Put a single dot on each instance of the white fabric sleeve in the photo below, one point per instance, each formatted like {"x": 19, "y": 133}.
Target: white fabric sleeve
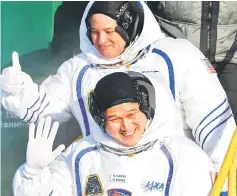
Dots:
{"x": 206, "y": 106}
{"x": 52, "y": 98}
{"x": 54, "y": 180}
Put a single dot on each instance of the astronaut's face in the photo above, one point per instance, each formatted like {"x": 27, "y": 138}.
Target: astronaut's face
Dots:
{"x": 104, "y": 37}
{"x": 125, "y": 123}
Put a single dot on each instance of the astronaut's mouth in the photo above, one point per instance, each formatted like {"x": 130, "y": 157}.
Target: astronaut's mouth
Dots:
{"x": 130, "y": 133}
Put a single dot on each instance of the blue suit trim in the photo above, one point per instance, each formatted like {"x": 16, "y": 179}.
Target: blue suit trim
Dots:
{"x": 51, "y": 193}
{"x": 171, "y": 170}
{"x": 32, "y": 104}
{"x": 80, "y": 99}
{"x": 170, "y": 69}
{"x": 77, "y": 167}
{"x": 36, "y": 109}
{"x": 227, "y": 109}
{"x": 203, "y": 143}
{"x": 209, "y": 115}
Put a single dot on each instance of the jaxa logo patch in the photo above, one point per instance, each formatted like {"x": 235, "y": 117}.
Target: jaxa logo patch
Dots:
{"x": 153, "y": 185}
{"x": 118, "y": 192}
{"x": 93, "y": 186}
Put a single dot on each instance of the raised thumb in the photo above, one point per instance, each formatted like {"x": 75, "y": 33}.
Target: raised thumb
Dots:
{"x": 15, "y": 61}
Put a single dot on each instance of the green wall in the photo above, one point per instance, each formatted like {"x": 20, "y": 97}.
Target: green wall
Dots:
{"x": 26, "y": 26}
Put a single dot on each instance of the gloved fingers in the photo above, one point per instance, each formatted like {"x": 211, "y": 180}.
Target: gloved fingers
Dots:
{"x": 47, "y": 126}
{"x": 15, "y": 61}
{"x": 7, "y": 72}
{"x": 57, "y": 151}
{"x": 12, "y": 77}
{"x": 31, "y": 131}
{"x": 54, "y": 130}
{"x": 2, "y": 81}
{"x": 40, "y": 128}
{"x": 12, "y": 89}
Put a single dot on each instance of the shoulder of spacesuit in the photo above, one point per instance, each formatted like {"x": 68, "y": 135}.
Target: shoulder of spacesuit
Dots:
{"x": 178, "y": 48}
{"x": 77, "y": 150}
{"x": 186, "y": 151}
{"x": 79, "y": 145}
{"x": 73, "y": 65}
{"x": 77, "y": 63}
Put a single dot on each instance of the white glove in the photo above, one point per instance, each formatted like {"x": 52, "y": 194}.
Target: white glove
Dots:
{"x": 18, "y": 91}
{"x": 39, "y": 149}
{"x": 12, "y": 78}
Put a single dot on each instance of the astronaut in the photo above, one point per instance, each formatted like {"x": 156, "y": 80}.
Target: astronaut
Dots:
{"x": 119, "y": 37}
{"x": 136, "y": 148}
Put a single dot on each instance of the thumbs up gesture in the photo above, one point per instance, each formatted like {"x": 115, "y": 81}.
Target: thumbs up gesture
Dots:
{"x": 15, "y": 61}
{"x": 12, "y": 78}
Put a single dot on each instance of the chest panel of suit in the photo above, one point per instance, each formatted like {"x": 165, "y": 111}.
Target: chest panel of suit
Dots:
{"x": 145, "y": 173}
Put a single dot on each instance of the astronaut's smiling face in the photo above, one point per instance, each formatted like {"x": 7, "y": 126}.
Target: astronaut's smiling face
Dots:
{"x": 125, "y": 123}
{"x": 104, "y": 37}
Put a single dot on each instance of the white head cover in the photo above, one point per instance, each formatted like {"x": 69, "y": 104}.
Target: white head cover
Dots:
{"x": 167, "y": 119}
{"x": 146, "y": 38}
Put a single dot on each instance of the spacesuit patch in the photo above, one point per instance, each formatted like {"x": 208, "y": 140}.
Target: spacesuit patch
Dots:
{"x": 93, "y": 186}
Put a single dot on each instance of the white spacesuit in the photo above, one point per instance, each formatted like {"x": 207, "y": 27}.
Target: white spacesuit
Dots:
{"x": 189, "y": 76}
{"x": 162, "y": 163}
